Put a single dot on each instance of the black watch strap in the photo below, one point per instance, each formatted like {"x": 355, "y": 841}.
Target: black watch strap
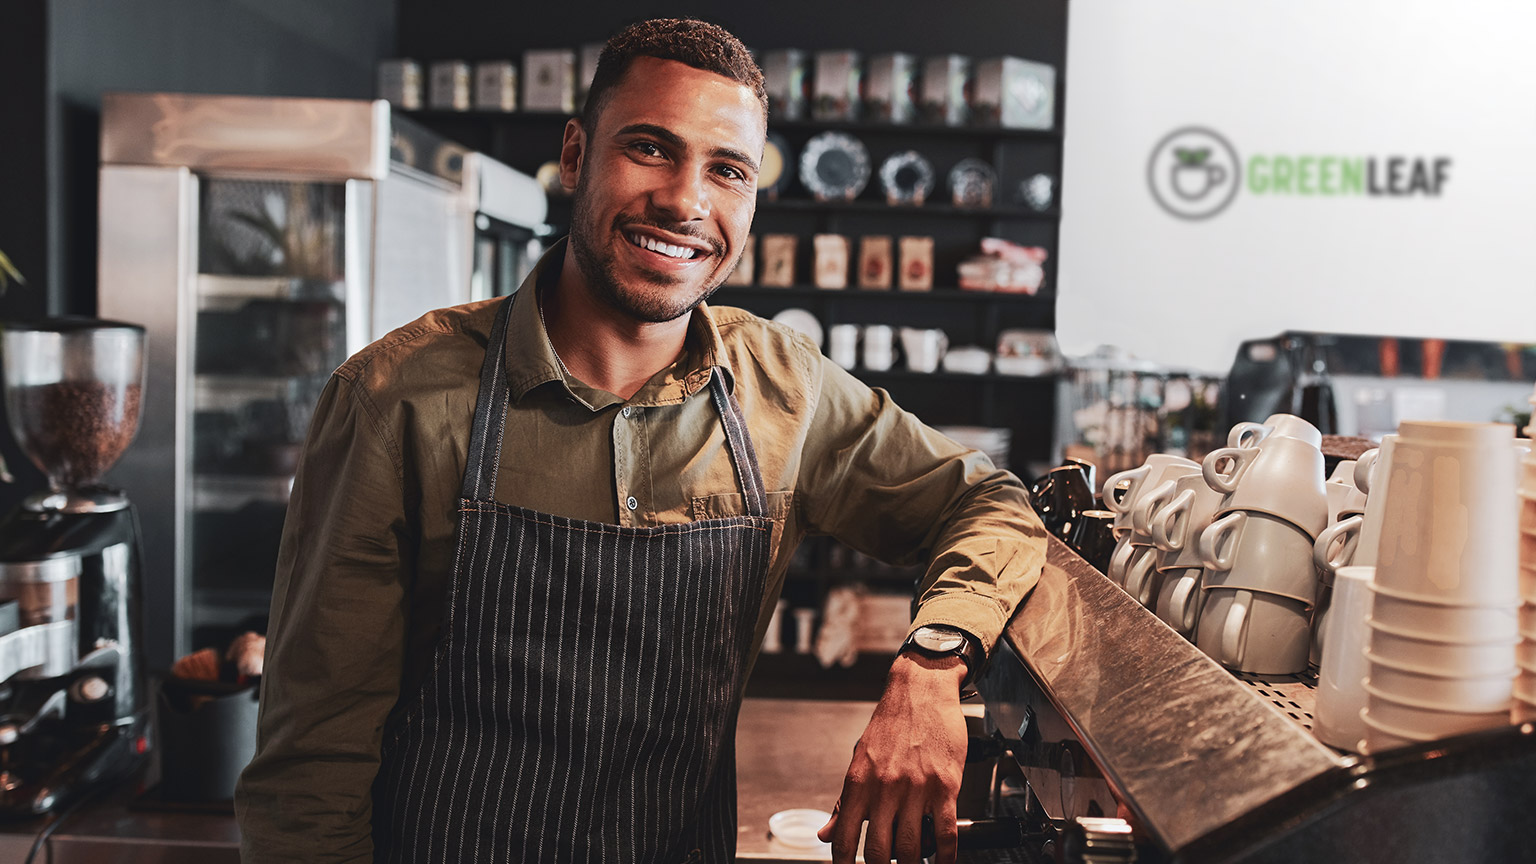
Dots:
{"x": 935, "y": 643}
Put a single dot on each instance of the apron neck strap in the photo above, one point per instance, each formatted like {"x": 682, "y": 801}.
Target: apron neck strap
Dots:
{"x": 484, "y": 457}
{"x": 490, "y": 407}
{"x": 748, "y": 474}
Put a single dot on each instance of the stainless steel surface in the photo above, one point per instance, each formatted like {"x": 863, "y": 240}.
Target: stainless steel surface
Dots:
{"x": 1164, "y": 724}
{"x": 146, "y": 258}
{"x": 332, "y": 138}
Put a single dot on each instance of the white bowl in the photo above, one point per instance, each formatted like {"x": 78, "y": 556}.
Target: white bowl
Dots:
{"x": 798, "y": 827}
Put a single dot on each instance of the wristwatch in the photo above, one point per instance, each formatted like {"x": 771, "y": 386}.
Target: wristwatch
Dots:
{"x": 941, "y": 640}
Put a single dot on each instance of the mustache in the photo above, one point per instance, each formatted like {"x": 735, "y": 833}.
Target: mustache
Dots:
{"x": 680, "y": 228}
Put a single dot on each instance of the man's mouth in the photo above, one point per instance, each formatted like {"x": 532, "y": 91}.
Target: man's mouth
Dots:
{"x": 681, "y": 253}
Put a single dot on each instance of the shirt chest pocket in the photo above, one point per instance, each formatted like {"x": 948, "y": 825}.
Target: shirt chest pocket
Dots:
{"x": 728, "y": 504}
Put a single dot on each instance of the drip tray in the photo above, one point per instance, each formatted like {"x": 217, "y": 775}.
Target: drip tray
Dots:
{"x": 1294, "y": 695}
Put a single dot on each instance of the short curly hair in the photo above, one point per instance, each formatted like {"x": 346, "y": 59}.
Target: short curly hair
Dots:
{"x": 690, "y": 41}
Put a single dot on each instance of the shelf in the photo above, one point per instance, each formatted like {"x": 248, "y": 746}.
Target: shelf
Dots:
{"x": 937, "y": 295}
{"x": 873, "y": 376}
{"x": 213, "y": 493}
{"x": 850, "y": 126}
{"x": 859, "y": 205}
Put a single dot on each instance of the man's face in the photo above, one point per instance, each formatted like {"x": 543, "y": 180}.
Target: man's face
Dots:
{"x": 665, "y": 187}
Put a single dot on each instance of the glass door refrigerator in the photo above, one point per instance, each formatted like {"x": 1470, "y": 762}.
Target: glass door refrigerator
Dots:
{"x": 262, "y": 241}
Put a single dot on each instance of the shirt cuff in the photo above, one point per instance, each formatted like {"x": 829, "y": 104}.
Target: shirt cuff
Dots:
{"x": 973, "y": 613}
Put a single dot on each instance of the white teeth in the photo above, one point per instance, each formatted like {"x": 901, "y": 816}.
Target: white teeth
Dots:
{"x": 666, "y": 249}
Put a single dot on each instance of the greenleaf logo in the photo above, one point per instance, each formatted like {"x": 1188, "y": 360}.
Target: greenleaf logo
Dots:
{"x": 1193, "y": 173}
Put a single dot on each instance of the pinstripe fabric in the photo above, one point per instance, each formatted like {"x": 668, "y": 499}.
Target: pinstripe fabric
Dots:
{"x": 582, "y": 705}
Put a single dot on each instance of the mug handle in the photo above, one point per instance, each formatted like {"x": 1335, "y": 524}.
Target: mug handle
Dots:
{"x": 1168, "y": 532}
{"x": 1365, "y": 466}
{"x": 1347, "y": 532}
{"x": 1180, "y": 607}
{"x": 1137, "y": 581}
{"x": 1226, "y": 482}
{"x": 1234, "y": 632}
{"x": 1135, "y": 476}
{"x": 1216, "y": 553}
{"x": 1248, "y": 434}
{"x": 1118, "y": 561}
{"x": 1149, "y": 505}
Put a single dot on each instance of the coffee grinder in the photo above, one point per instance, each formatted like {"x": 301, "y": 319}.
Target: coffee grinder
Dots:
{"x": 72, "y": 704}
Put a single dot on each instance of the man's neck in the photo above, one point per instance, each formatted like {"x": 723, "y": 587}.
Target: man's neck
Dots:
{"x": 600, "y": 345}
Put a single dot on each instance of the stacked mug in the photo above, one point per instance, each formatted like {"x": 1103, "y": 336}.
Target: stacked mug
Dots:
{"x": 1134, "y": 560}
{"x": 1444, "y": 623}
{"x": 1259, "y": 581}
{"x": 1335, "y": 548}
{"x": 1524, "y": 706}
{"x": 1175, "y": 528}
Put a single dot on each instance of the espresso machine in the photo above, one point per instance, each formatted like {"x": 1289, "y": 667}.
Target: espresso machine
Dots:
{"x": 73, "y": 712}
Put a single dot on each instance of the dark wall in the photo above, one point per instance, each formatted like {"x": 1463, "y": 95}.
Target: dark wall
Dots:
{"x": 483, "y": 30}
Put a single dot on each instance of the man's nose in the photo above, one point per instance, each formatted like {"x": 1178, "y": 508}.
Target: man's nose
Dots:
{"x": 683, "y": 196}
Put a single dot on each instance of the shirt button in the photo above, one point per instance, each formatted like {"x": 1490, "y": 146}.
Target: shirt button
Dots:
{"x": 627, "y": 412}
{"x": 631, "y": 503}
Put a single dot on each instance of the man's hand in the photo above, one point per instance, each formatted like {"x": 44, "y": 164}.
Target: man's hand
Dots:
{"x": 906, "y": 765}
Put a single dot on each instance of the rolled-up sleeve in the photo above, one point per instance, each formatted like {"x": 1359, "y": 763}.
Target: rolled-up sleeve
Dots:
{"x": 335, "y": 643}
{"x": 881, "y": 481}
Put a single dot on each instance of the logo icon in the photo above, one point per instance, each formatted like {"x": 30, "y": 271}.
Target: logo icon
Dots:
{"x": 1193, "y": 173}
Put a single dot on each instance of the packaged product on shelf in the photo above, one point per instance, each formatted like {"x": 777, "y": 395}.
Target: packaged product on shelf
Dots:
{"x": 836, "y": 86}
{"x": 742, "y": 275}
{"x": 549, "y": 80}
{"x": 944, "y": 80}
{"x": 784, "y": 79}
{"x": 496, "y": 86}
{"x": 590, "y": 53}
{"x": 450, "y": 85}
{"x": 1004, "y": 266}
{"x": 888, "y": 88}
{"x": 875, "y": 256}
{"x": 916, "y": 264}
{"x": 831, "y": 261}
{"x": 400, "y": 83}
{"x": 778, "y": 255}
{"x": 1014, "y": 93}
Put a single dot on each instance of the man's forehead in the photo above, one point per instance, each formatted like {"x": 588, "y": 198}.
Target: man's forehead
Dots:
{"x": 649, "y": 80}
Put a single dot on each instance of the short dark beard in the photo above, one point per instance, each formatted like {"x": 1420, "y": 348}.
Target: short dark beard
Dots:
{"x": 602, "y": 278}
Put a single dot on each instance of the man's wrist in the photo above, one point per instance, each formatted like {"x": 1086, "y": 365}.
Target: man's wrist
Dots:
{"x": 947, "y": 672}
{"x": 946, "y": 641}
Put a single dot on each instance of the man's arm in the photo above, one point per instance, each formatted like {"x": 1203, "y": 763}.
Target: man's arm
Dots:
{"x": 882, "y": 482}
{"x": 334, "y": 645}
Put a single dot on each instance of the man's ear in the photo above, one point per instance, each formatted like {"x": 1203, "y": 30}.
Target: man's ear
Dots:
{"x": 573, "y": 151}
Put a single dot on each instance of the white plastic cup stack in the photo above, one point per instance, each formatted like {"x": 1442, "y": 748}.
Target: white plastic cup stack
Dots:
{"x": 1443, "y": 625}
{"x": 1342, "y": 667}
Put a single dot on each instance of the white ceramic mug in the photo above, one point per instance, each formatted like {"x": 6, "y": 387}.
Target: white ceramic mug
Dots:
{"x": 1142, "y": 578}
{"x": 1250, "y": 434}
{"x": 879, "y": 347}
{"x": 1282, "y": 477}
{"x": 1176, "y": 530}
{"x": 1178, "y": 599}
{"x": 1342, "y": 666}
{"x": 1346, "y": 535}
{"x": 1140, "y": 479}
{"x": 924, "y": 348}
{"x": 843, "y": 345}
{"x": 1258, "y": 552}
{"x": 1251, "y": 631}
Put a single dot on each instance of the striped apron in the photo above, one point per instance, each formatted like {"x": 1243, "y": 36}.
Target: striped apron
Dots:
{"x": 583, "y": 699}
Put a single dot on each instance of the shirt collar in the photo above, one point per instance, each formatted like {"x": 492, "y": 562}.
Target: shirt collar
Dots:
{"x": 531, "y": 359}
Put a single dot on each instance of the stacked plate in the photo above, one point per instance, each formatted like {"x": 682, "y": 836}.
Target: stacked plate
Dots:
{"x": 1443, "y": 629}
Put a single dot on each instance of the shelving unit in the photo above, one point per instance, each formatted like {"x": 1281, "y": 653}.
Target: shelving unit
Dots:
{"x": 1026, "y": 405}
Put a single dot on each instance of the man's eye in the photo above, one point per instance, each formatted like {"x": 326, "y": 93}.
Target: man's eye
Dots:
{"x": 646, "y": 148}
{"x": 732, "y": 173}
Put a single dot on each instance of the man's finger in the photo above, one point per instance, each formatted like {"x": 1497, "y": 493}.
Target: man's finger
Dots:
{"x": 908, "y": 831}
{"x": 945, "y": 836}
{"x": 877, "y": 839}
{"x": 847, "y": 821}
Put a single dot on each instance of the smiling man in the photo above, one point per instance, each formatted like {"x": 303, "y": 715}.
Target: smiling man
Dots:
{"x": 534, "y": 542}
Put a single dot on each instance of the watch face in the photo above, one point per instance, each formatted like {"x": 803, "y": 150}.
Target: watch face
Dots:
{"x": 933, "y": 639}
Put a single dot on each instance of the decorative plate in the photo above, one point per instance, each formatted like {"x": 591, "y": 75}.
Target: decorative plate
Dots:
{"x": 906, "y": 177}
{"x": 802, "y": 320}
{"x": 777, "y": 169}
{"x": 834, "y": 166}
{"x": 972, "y": 183}
{"x": 1038, "y": 191}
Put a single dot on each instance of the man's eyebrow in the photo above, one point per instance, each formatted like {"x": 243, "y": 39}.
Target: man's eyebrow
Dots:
{"x": 672, "y": 139}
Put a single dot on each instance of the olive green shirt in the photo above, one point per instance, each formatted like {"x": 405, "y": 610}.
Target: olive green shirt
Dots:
{"x": 368, "y": 546}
